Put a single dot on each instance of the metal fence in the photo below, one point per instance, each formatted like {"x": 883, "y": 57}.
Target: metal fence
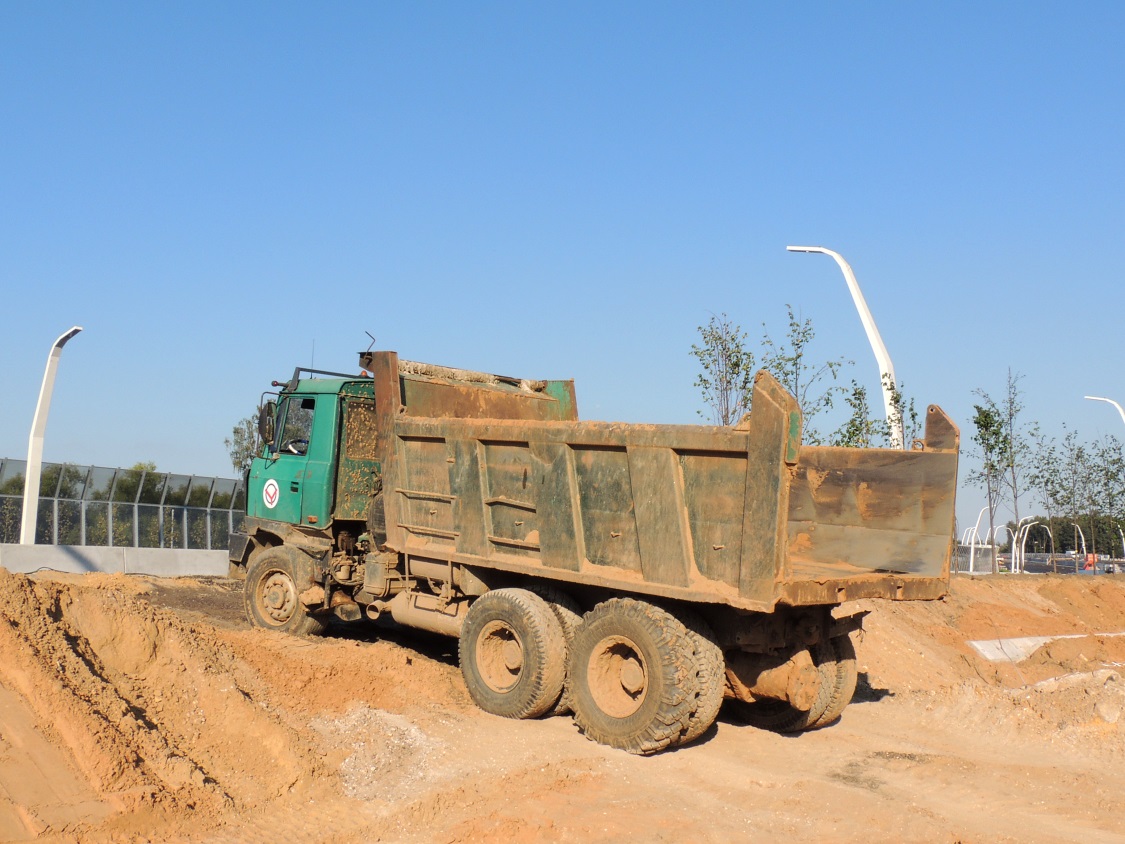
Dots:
{"x": 138, "y": 508}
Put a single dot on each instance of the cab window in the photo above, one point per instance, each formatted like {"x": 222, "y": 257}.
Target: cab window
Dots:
{"x": 295, "y": 419}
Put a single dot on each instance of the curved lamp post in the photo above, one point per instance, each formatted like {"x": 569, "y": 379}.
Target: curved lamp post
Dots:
{"x": 1023, "y": 544}
{"x": 1108, "y": 401}
{"x": 973, "y": 547}
{"x": 35, "y": 443}
{"x": 1083, "y": 537}
{"x": 886, "y": 368}
{"x": 1017, "y": 565}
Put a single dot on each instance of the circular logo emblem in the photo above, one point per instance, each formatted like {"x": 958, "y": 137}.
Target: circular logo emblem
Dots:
{"x": 270, "y": 493}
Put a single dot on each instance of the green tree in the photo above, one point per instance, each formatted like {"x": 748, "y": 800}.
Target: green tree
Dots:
{"x": 1106, "y": 474}
{"x": 242, "y": 444}
{"x": 790, "y": 364}
{"x": 727, "y": 379}
{"x": 1006, "y": 446}
{"x": 1045, "y": 479}
{"x": 861, "y": 430}
{"x": 904, "y": 413}
{"x": 992, "y": 441}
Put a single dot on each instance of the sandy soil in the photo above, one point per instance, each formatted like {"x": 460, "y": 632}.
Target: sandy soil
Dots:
{"x": 140, "y": 710}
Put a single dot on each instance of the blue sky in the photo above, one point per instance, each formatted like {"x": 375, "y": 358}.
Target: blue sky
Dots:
{"x": 218, "y": 192}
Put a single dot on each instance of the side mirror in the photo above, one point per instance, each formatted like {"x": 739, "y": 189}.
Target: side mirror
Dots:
{"x": 266, "y": 417}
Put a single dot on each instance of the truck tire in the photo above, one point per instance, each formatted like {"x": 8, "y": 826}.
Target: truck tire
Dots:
{"x": 846, "y": 677}
{"x": 778, "y": 715}
{"x": 275, "y": 578}
{"x": 632, "y": 676}
{"x": 710, "y": 671}
{"x": 569, "y": 615}
{"x": 513, "y": 654}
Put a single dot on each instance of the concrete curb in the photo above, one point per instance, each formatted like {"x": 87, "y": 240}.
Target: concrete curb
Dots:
{"x": 1019, "y": 648}
{"x": 78, "y": 559}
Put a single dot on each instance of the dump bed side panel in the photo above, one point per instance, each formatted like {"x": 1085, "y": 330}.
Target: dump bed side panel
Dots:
{"x": 657, "y": 509}
{"x": 693, "y": 512}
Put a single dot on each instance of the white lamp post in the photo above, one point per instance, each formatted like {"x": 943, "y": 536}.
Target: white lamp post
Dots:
{"x": 1023, "y": 543}
{"x": 1108, "y": 401}
{"x": 1017, "y": 564}
{"x": 1083, "y": 536}
{"x": 886, "y": 368}
{"x": 35, "y": 442}
{"x": 973, "y": 547}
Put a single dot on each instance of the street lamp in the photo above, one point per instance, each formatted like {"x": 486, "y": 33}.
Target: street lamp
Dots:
{"x": 1018, "y": 564}
{"x": 1023, "y": 544}
{"x": 35, "y": 442}
{"x": 973, "y": 547}
{"x": 886, "y": 368}
{"x": 1083, "y": 536}
{"x": 1108, "y": 401}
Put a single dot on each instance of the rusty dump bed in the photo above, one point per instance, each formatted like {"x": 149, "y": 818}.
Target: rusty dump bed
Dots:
{"x": 502, "y": 475}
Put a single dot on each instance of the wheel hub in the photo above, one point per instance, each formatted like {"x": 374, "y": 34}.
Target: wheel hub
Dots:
{"x": 617, "y": 676}
{"x": 513, "y": 656}
{"x": 499, "y": 656}
{"x": 278, "y": 597}
{"x": 632, "y": 676}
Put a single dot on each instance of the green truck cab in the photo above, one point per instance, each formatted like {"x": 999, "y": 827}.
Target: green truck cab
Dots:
{"x": 636, "y": 575}
{"x": 310, "y": 475}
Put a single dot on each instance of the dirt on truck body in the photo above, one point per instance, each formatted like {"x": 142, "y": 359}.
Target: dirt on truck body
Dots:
{"x": 634, "y": 575}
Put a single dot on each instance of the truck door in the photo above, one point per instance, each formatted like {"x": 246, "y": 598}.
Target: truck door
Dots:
{"x": 280, "y": 481}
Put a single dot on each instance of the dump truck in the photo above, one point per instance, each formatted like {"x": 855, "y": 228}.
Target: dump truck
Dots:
{"x": 633, "y": 575}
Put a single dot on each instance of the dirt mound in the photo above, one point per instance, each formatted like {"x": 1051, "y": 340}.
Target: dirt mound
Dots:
{"x": 155, "y": 713}
{"x": 133, "y": 709}
{"x": 1068, "y": 689}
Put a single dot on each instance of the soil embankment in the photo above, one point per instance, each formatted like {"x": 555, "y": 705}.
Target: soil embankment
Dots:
{"x": 133, "y": 709}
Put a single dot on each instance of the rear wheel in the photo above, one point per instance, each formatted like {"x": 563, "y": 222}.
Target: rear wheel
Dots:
{"x": 782, "y": 717}
{"x": 710, "y": 669}
{"x": 513, "y": 654}
{"x": 632, "y": 678}
{"x": 569, "y": 616}
{"x": 844, "y": 686}
{"x": 275, "y": 579}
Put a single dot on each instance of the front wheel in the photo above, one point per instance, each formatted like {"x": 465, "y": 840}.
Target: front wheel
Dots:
{"x": 275, "y": 579}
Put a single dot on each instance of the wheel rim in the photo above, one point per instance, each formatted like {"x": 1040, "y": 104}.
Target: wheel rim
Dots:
{"x": 499, "y": 656}
{"x": 618, "y": 676}
{"x": 277, "y": 597}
